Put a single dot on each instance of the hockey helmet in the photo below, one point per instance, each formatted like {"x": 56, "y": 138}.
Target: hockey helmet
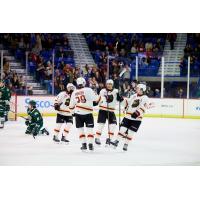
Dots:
{"x": 32, "y": 103}
{"x": 142, "y": 87}
{"x": 81, "y": 81}
{"x": 110, "y": 81}
{"x": 70, "y": 88}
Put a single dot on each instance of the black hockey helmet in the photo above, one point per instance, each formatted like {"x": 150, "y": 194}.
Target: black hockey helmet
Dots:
{"x": 32, "y": 103}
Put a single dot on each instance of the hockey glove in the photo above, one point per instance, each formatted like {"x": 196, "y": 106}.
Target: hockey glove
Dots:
{"x": 27, "y": 122}
{"x": 95, "y": 103}
{"x": 56, "y": 106}
{"x": 135, "y": 114}
{"x": 119, "y": 97}
{"x": 67, "y": 102}
{"x": 109, "y": 98}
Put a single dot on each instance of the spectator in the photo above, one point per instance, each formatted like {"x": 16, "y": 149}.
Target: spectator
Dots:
{"x": 180, "y": 93}
{"x": 157, "y": 93}
{"x": 172, "y": 39}
{"x": 30, "y": 90}
{"x": 134, "y": 49}
{"x": 127, "y": 74}
{"x": 21, "y": 44}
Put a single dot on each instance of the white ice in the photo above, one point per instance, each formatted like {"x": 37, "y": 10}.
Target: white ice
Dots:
{"x": 158, "y": 142}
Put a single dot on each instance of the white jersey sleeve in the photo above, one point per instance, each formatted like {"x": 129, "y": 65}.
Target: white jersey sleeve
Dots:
{"x": 63, "y": 100}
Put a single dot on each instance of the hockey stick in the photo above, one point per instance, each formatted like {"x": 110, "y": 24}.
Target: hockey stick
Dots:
{"x": 17, "y": 113}
{"x": 119, "y": 91}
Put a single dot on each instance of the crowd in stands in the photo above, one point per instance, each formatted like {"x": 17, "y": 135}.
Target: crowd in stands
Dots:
{"x": 121, "y": 48}
{"x": 14, "y": 81}
{"x": 192, "y": 49}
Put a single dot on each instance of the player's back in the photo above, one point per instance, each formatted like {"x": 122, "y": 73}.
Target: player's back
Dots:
{"x": 82, "y": 99}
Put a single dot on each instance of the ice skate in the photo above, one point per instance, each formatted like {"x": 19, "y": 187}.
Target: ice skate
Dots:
{"x": 107, "y": 142}
{"x": 91, "y": 147}
{"x": 64, "y": 140}
{"x": 97, "y": 141}
{"x": 55, "y": 139}
{"x": 114, "y": 144}
{"x": 44, "y": 131}
{"x": 125, "y": 147}
{"x": 84, "y": 147}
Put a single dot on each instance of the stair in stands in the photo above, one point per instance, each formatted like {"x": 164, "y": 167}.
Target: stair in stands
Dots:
{"x": 21, "y": 71}
{"x": 82, "y": 55}
{"x": 173, "y": 57}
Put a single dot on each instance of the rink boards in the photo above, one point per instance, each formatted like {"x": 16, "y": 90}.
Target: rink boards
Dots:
{"x": 172, "y": 108}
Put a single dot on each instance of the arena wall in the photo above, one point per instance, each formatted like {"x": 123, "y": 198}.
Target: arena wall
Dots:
{"x": 173, "y": 108}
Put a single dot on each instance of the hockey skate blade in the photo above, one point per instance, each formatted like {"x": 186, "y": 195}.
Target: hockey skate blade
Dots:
{"x": 64, "y": 143}
{"x": 107, "y": 145}
{"x": 97, "y": 145}
{"x": 56, "y": 142}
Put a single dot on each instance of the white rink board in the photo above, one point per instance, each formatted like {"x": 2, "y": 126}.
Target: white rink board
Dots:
{"x": 192, "y": 107}
{"x": 162, "y": 107}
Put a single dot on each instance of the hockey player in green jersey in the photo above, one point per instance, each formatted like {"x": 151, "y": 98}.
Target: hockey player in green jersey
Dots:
{"x": 5, "y": 96}
{"x": 34, "y": 120}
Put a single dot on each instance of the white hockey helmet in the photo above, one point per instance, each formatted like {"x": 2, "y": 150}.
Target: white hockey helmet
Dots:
{"x": 70, "y": 86}
{"x": 110, "y": 81}
{"x": 142, "y": 87}
{"x": 81, "y": 81}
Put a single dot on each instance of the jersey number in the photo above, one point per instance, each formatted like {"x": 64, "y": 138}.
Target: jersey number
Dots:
{"x": 81, "y": 99}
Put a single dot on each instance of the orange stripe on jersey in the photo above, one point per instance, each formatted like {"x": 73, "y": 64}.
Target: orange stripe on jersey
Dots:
{"x": 64, "y": 111}
{"x": 128, "y": 113}
{"x": 85, "y": 108}
{"x": 129, "y": 138}
{"x": 142, "y": 110}
{"x": 71, "y": 108}
{"x": 98, "y": 133}
{"x": 122, "y": 135}
{"x": 90, "y": 136}
{"x": 107, "y": 108}
{"x": 131, "y": 114}
{"x": 82, "y": 136}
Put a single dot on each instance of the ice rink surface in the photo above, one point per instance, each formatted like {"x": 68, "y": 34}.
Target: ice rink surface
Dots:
{"x": 158, "y": 142}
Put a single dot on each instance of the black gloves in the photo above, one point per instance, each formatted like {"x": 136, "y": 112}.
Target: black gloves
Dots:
{"x": 56, "y": 106}
{"x": 109, "y": 98}
{"x": 67, "y": 102}
{"x": 135, "y": 114}
{"x": 119, "y": 97}
{"x": 27, "y": 122}
{"x": 95, "y": 103}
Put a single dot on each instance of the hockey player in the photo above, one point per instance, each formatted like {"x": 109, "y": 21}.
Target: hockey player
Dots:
{"x": 64, "y": 115}
{"x": 81, "y": 104}
{"x": 107, "y": 105}
{"x": 135, "y": 108}
{"x": 5, "y": 96}
{"x": 34, "y": 121}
